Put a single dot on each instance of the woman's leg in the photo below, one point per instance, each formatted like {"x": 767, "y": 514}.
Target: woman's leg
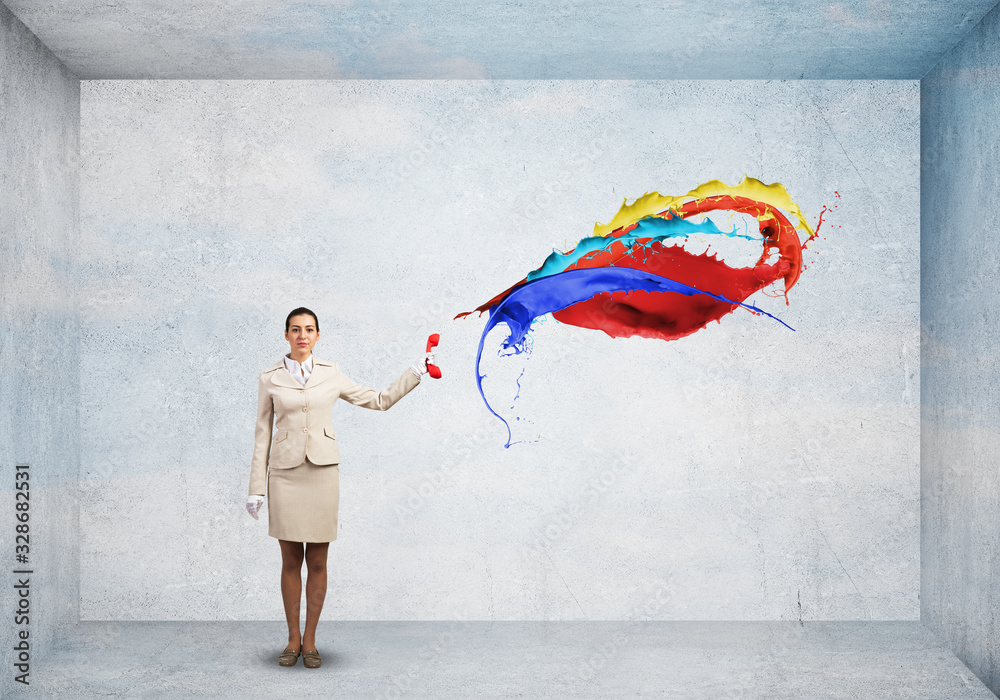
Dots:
{"x": 291, "y": 588}
{"x": 315, "y": 590}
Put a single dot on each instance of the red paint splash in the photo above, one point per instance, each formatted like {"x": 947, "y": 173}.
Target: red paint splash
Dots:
{"x": 667, "y": 315}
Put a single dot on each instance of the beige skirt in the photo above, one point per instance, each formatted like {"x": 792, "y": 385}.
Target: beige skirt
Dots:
{"x": 302, "y": 502}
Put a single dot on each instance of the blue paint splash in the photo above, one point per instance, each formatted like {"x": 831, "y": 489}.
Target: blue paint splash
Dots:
{"x": 557, "y": 291}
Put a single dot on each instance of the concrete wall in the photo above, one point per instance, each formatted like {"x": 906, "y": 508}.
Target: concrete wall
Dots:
{"x": 960, "y": 379}
{"x": 39, "y": 337}
{"x": 748, "y": 471}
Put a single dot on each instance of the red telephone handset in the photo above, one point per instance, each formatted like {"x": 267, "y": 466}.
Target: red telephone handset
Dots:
{"x": 433, "y": 370}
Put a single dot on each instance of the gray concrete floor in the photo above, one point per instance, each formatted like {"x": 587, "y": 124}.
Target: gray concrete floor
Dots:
{"x": 462, "y": 659}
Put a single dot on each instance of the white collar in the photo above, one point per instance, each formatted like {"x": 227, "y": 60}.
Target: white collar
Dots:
{"x": 292, "y": 364}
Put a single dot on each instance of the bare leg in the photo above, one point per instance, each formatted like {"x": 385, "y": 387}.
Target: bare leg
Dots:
{"x": 315, "y": 590}
{"x": 291, "y": 589}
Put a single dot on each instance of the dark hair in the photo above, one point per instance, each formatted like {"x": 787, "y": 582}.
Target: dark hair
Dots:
{"x": 298, "y": 312}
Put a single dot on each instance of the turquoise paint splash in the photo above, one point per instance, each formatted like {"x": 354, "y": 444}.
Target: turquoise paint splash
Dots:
{"x": 656, "y": 229}
{"x": 560, "y": 290}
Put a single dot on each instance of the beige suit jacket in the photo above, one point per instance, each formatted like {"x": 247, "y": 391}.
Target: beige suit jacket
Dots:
{"x": 302, "y": 416}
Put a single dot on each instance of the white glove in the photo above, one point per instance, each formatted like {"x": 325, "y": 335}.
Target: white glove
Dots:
{"x": 254, "y": 502}
{"x": 420, "y": 366}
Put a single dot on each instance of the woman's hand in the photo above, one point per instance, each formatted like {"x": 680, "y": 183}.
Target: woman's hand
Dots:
{"x": 254, "y": 502}
{"x": 420, "y": 366}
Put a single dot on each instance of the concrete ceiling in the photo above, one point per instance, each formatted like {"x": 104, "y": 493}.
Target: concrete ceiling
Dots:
{"x": 542, "y": 39}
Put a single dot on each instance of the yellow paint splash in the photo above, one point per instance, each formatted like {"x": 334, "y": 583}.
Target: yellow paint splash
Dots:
{"x": 653, "y": 203}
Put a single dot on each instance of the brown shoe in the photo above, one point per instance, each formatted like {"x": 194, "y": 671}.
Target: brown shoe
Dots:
{"x": 311, "y": 659}
{"x": 288, "y": 657}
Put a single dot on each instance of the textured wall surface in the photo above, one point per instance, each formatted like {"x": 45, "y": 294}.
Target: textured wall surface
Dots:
{"x": 39, "y": 326}
{"x": 546, "y": 39}
{"x": 750, "y": 471}
{"x": 960, "y": 546}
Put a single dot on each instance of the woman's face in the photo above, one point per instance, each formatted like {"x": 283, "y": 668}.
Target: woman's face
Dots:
{"x": 302, "y": 334}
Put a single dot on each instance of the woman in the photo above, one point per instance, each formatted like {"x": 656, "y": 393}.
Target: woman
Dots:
{"x": 299, "y": 464}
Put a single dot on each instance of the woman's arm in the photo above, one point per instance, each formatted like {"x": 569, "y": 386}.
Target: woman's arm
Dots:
{"x": 360, "y": 395}
{"x": 262, "y": 439}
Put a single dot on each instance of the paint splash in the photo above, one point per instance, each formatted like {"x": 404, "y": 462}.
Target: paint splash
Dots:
{"x": 634, "y": 276}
